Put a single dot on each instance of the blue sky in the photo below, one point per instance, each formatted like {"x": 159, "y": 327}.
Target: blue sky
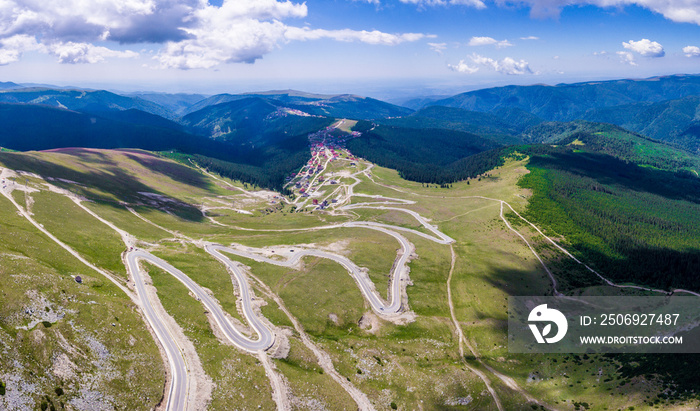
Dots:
{"x": 384, "y": 48}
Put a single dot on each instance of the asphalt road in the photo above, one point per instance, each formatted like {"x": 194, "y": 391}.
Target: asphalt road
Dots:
{"x": 177, "y": 395}
{"x": 178, "y": 391}
{"x": 442, "y": 238}
{"x": 265, "y": 339}
{"x": 393, "y": 307}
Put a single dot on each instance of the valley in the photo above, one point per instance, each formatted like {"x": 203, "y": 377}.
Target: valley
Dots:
{"x": 349, "y": 205}
{"x": 426, "y": 304}
{"x": 299, "y": 260}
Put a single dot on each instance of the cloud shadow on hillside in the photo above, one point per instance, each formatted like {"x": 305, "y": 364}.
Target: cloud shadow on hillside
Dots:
{"x": 112, "y": 179}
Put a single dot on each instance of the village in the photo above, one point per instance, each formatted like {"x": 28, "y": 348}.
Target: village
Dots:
{"x": 327, "y": 148}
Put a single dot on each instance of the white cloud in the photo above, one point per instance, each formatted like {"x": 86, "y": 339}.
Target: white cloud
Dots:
{"x": 645, "y": 47}
{"x": 232, "y": 10}
{"x": 477, "y": 4}
{"x": 68, "y": 28}
{"x": 682, "y": 11}
{"x": 438, "y": 47}
{"x": 529, "y": 38}
{"x": 463, "y": 67}
{"x": 487, "y": 41}
{"x": 691, "y": 51}
{"x": 8, "y": 56}
{"x": 74, "y": 53}
{"x": 507, "y": 65}
{"x": 194, "y": 33}
{"x": 481, "y": 41}
{"x": 238, "y": 31}
{"x": 211, "y": 45}
{"x": 227, "y": 35}
{"x": 246, "y": 30}
{"x": 347, "y": 35}
{"x": 626, "y": 57}
{"x": 89, "y": 19}
{"x": 13, "y": 47}
{"x": 600, "y": 53}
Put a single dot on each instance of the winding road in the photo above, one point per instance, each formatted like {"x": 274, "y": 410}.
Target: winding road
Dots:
{"x": 178, "y": 390}
{"x": 366, "y": 286}
{"x": 178, "y": 395}
{"x": 265, "y": 338}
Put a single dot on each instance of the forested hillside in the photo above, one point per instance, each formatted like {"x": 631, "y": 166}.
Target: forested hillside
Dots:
{"x": 175, "y": 103}
{"x": 427, "y": 155}
{"x": 265, "y": 167}
{"x": 353, "y": 107}
{"x": 93, "y": 101}
{"x": 565, "y": 102}
{"x": 283, "y": 96}
{"x": 630, "y": 147}
{"x": 344, "y": 105}
{"x": 501, "y": 126}
{"x": 628, "y": 205}
{"x": 690, "y": 138}
{"x": 665, "y": 121}
{"x": 663, "y": 108}
{"x": 29, "y": 127}
{"x": 251, "y": 122}
{"x": 632, "y": 222}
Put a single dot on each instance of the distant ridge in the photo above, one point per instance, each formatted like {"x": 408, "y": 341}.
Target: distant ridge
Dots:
{"x": 176, "y": 103}
{"x": 565, "y": 102}
{"x": 80, "y": 100}
{"x": 340, "y": 105}
{"x": 661, "y": 107}
{"x": 292, "y": 93}
{"x": 6, "y": 85}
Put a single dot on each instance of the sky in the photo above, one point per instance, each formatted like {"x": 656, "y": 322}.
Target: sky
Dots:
{"x": 381, "y": 48}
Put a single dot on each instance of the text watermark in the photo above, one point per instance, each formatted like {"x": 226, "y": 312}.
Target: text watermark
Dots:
{"x": 666, "y": 324}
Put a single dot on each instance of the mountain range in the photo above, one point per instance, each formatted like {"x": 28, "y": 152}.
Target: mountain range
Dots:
{"x": 238, "y": 128}
{"x": 664, "y": 108}
{"x": 607, "y": 172}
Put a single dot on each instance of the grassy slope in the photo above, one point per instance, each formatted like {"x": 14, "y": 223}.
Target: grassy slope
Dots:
{"x": 633, "y": 223}
{"x": 113, "y": 175}
{"x": 436, "y": 156}
{"x": 97, "y": 242}
{"x": 131, "y": 376}
{"x": 203, "y": 269}
{"x": 238, "y": 377}
{"x": 293, "y": 288}
{"x": 629, "y": 207}
{"x": 69, "y": 353}
{"x": 492, "y": 263}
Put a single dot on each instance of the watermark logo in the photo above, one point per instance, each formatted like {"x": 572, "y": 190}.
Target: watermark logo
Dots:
{"x": 604, "y": 324}
{"x": 548, "y": 315}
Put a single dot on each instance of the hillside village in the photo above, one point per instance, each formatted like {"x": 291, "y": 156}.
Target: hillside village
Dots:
{"x": 327, "y": 147}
